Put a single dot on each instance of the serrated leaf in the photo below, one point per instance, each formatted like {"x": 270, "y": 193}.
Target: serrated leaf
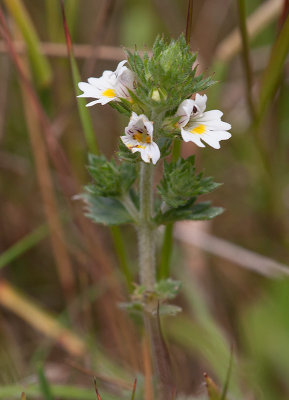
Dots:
{"x": 105, "y": 210}
{"x": 110, "y": 179}
{"x": 169, "y": 72}
{"x": 167, "y": 288}
{"x": 181, "y": 184}
{"x": 197, "y": 212}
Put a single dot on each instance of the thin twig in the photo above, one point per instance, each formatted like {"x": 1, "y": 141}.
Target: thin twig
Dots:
{"x": 79, "y": 50}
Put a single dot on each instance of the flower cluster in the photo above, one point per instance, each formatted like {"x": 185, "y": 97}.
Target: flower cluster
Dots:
{"x": 193, "y": 123}
{"x": 160, "y": 95}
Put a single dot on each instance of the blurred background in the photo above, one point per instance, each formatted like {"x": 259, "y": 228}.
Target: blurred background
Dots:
{"x": 62, "y": 276}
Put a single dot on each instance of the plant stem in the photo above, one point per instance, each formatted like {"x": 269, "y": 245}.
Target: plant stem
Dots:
{"x": 146, "y": 237}
{"x": 166, "y": 252}
{"x": 167, "y": 247}
{"x": 146, "y": 230}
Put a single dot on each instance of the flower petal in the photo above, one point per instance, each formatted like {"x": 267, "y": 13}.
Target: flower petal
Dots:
{"x": 129, "y": 141}
{"x": 184, "y": 111}
{"x": 120, "y": 68}
{"x": 149, "y": 127}
{"x": 213, "y": 138}
{"x": 192, "y": 137}
{"x": 154, "y": 150}
{"x": 88, "y": 90}
{"x": 201, "y": 102}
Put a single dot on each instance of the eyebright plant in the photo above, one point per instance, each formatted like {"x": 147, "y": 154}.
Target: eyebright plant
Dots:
{"x": 159, "y": 93}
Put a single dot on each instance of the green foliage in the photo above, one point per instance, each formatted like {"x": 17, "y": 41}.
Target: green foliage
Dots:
{"x": 104, "y": 196}
{"x": 141, "y": 299}
{"x": 196, "y": 212}
{"x": 110, "y": 179}
{"x": 167, "y": 289}
{"x": 168, "y": 77}
{"x": 105, "y": 210}
{"x": 44, "y": 384}
{"x": 180, "y": 183}
{"x": 273, "y": 71}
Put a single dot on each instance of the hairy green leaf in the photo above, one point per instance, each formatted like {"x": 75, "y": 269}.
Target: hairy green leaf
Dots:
{"x": 180, "y": 183}
{"x": 110, "y": 179}
{"x": 197, "y": 212}
{"x": 167, "y": 289}
{"x": 105, "y": 210}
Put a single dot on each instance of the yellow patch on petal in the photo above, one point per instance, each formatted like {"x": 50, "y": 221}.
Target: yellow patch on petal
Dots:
{"x": 109, "y": 93}
{"x": 199, "y": 129}
{"x": 139, "y": 146}
{"x": 142, "y": 137}
{"x": 138, "y": 137}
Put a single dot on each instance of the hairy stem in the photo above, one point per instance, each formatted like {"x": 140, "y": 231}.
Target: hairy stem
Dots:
{"x": 146, "y": 230}
{"x": 146, "y": 236}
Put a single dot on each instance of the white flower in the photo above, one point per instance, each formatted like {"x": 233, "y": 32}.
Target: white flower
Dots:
{"x": 110, "y": 86}
{"x": 197, "y": 124}
{"x": 139, "y": 137}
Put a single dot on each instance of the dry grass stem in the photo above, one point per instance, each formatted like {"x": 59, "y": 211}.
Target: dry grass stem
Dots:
{"x": 40, "y": 319}
{"x": 45, "y": 182}
{"x": 79, "y": 50}
{"x": 187, "y": 233}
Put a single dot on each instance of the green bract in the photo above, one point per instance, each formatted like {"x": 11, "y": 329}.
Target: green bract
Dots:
{"x": 166, "y": 78}
{"x": 110, "y": 179}
{"x": 180, "y": 183}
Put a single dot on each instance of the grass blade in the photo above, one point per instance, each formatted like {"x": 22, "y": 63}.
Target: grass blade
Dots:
{"x": 273, "y": 71}
{"x": 23, "y": 245}
{"x": 82, "y": 109}
{"x": 133, "y": 390}
{"x": 39, "y": 63}
{"x": 227, "y": 381}
{"x": 43, "y": 384}
{"x": 68, "y": 392}
{"x": 39, "y": 319}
